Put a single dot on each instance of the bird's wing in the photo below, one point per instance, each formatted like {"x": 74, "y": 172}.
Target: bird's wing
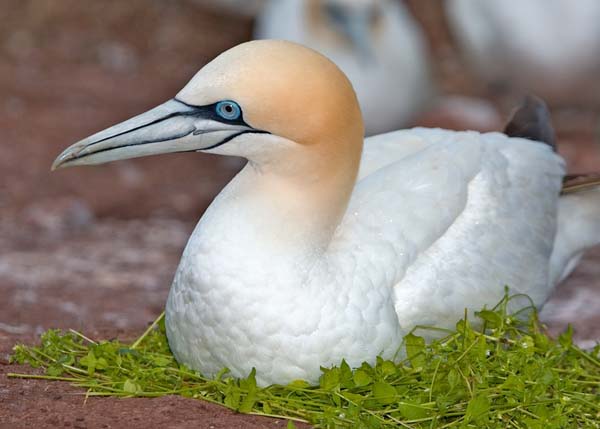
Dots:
{"x": 384, "y": 149}
{"x": 466, "y": 214}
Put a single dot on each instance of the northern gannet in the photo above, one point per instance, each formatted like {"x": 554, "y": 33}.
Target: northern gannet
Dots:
{"x": 376, "y": 43}
{"x": 548, "y": 46}
{"x": 321, "y": 250}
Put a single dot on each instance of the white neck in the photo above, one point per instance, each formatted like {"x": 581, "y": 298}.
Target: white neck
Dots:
{"x": 251, "y": 274}
{"x": 260, "y": 220}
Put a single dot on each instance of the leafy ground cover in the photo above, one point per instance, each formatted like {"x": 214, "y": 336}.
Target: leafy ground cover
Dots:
{"x": 500, "y": 371}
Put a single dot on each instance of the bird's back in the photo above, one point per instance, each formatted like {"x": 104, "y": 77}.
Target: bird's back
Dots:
{"x": 453, "y": 219}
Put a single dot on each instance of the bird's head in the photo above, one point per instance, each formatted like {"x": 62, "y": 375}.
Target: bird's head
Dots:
{"x": 278, "y": 104}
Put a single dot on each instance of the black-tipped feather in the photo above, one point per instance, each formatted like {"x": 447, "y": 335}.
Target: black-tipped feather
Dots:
{"x": 532, "y": 121}
{"x": 580, "y": 182}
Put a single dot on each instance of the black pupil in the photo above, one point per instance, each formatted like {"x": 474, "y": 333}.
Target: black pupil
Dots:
{"x": 228, "y": 108}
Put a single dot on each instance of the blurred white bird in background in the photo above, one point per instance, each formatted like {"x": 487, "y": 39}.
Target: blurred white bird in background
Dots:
{"x": 377, "y": 44}
{"x": 550, "y": 47}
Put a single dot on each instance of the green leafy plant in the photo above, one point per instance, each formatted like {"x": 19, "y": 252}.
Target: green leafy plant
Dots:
{"x": 501, "y": 372}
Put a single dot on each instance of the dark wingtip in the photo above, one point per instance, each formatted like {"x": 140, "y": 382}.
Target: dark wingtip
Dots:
{"x": 580, "y": 182}
{"x": 532, "y": 121}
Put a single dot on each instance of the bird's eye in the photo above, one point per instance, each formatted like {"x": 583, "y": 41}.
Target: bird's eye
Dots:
{"x": 228, "y": 110}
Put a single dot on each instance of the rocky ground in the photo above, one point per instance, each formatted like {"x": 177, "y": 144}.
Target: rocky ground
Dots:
{"x": 95, "y": 249}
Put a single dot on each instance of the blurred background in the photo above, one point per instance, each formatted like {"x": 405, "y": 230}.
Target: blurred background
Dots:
{"x": 95, "y": 249}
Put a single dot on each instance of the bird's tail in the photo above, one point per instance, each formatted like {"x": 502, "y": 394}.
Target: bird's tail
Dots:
{"x": 578, "y": 226}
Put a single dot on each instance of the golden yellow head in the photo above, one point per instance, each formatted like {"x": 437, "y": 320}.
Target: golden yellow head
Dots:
{"x": 282, "y": 87}
{"x": 263, "y": 100}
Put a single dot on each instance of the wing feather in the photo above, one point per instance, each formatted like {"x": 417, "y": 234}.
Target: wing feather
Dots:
{"x": 453, "y": 221}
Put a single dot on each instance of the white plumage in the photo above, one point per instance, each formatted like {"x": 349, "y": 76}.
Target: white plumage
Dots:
{"x": 549, "y": 46}
{"x": 321, "y": 250}
{"x": 424, "y": 236}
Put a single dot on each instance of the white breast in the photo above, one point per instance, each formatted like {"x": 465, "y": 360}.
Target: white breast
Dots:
{"x": 429, "y": 231}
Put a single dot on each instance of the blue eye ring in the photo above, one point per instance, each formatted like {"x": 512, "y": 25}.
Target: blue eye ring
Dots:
{"x": 228, "y": 110}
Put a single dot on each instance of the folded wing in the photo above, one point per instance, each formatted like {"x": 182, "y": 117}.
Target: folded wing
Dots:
{"x": 453, "y": 221}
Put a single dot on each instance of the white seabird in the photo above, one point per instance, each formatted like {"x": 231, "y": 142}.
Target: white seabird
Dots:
{"x": 548, "y": 46}
{"x": 322, "y": 249}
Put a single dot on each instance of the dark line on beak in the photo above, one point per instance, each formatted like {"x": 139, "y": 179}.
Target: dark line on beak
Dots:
{"x": 193, "y": 106}
{"x": 144, "y": 142}
{"x": 231, "y": 137}
{"x": 174, "y": 137}
{"x": 156, "y": 121}
{"x": 206, "y": 112}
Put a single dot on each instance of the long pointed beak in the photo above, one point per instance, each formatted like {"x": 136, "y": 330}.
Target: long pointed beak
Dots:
{"x": 173, "y": 126}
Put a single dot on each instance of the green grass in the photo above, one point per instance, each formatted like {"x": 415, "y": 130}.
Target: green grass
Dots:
{"x": 507, "y": 373}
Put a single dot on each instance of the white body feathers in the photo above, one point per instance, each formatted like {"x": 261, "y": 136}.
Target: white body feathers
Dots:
{"x": 438, "y": 221}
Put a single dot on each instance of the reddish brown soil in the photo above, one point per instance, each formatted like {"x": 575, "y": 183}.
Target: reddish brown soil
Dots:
{"x": 40, "y": 404}
{"x": 95, "y": 248}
